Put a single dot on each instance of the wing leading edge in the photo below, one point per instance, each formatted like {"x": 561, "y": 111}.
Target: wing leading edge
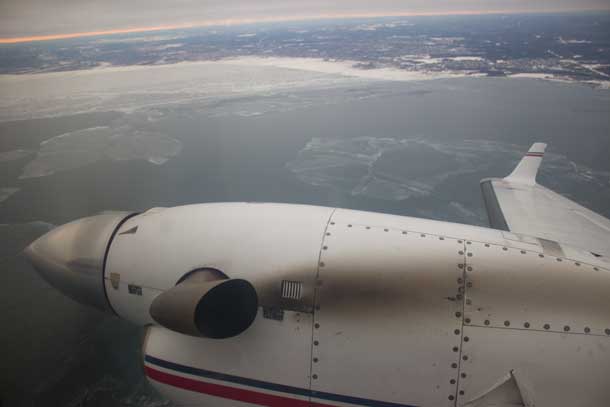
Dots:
{"x": 518, "y": 204}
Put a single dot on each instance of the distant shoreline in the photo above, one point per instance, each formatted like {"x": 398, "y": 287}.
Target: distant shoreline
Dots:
{"x": 349, "y": 68}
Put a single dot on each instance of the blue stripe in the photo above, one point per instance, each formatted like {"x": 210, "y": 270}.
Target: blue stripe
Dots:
{"x": 269, "y": 386}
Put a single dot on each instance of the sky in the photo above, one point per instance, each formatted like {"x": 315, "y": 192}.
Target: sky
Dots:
{"x": 33, "y": 18}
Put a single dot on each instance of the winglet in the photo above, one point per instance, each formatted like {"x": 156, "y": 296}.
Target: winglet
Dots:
{"x": 526, "y": 170}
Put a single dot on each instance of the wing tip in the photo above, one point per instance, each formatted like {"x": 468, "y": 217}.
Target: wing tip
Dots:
{"x": 525, "y": 172}
{"x": 536, "y": 150}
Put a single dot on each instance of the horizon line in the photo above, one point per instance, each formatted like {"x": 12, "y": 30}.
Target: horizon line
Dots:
{"x": 254, "y": 20}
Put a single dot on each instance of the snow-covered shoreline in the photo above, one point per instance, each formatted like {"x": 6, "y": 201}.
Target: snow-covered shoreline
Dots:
{"x": 130, "y": 88}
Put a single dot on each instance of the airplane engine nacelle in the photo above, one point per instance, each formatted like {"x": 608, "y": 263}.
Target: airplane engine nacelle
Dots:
{"x": 207, "y": 305}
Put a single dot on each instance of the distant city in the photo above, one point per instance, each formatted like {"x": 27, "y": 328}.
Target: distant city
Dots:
{"x": 564, "y": 47}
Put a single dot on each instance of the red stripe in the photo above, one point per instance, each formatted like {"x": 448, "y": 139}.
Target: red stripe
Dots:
{"x": 534, "y": 154}
{"x": 231, "y": 393}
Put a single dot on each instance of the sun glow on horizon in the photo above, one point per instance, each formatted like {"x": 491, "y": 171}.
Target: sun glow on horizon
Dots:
{"x": 242, "y": 21}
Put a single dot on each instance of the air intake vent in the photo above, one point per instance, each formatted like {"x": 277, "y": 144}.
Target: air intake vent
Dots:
{"x": 291, "y": 289}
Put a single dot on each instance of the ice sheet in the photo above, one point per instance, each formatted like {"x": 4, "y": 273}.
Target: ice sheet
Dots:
{"x": 82, "y": 147}
{"x": 13, "y": 155}
{"x": 6, "y": 192}
{"x": 141, "y": 87}
{"x": 398, "y": 169}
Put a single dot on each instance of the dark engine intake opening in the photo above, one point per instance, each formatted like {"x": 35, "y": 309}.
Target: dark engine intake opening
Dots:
{"x": 206, "y": 303}
{"x": 227, "y": 309}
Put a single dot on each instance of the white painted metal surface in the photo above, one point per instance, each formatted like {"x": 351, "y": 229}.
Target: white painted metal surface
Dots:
{"x": 389, "y": 313}
{"x": 532, "y": 209}
{"x": 554, "y": 369}
{"x": 538, "y": 211}
{"x": 262, "y": 243}
{"x": 511, "y": 288}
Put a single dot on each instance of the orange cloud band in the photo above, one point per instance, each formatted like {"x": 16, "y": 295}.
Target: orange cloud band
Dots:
{"x": 238, "y": 21}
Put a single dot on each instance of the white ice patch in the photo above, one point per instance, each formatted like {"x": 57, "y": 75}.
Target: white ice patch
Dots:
{"x": 82, "y": 147}
{"x": 572, "y": 41}
{"x": 462, "y": 210}
{"x": 600, "y": 84}
{"x": 459, "y": 59}
{"x": 532, "y": 75}
{"x": 350, "y": 68}
{"x": 398, "y": 169}
{"x": 13, "y": 155}
{"x": 369, "y": 166}
{"x": 6, "y": 192}
{"x": 129, "y": 89}
{"x": 137, "y": 88}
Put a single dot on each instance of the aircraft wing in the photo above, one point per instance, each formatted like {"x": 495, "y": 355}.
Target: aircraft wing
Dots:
{"x": 518, "y": 204}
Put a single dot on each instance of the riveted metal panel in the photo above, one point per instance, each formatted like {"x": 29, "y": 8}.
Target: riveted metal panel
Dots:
{"x": 551, "y": 369}
{"x": 518, "y": 289}
{"x": 388, "y": 316}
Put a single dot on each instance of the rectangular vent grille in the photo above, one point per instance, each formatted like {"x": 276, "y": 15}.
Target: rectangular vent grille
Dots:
{"x": 291, "y": 289}
{"x": 134, "y": 289}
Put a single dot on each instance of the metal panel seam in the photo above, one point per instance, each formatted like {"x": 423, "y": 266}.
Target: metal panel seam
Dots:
{"x": 464, "y": 295}
{"x": 106, "y": 252}
{"x": 550, "y": 331}
{"x": 315, "y": 298}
